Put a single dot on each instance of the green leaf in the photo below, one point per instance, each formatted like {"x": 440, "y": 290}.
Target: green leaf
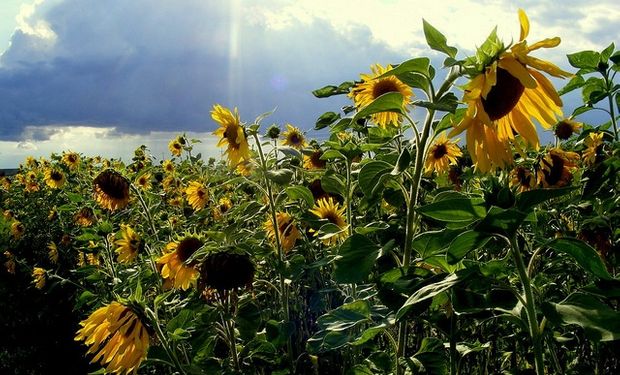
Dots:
{"x": 375, "y": 226}
{"x": 601, "y": 322}
{"x": 404, "y": 160}
{"x": 502, "y": 221}
{"x": 528, "y": 199}
{"x": 332, "y": 184}
{"x": 429, "y": 244}
{"x": 575, "y": 83}
{"x": 583, "y": 253}
{"x": 446, "y": 103}
{"x": 584, "y": 59}
{"x": 326, "y": 119}
{"x": 356, "y": 257}
{"x": 455, "y": 210}
{"x": 74, "y": 197}
{"x": 332, "y": 154}
{"x": 372, "y": 175}
{"x": 388, "y": 102}
{"x": 182, "y": 320}
{"x": 436, "y": 40}
{"x": 248, "y": 319}
{"x": 606, "y": 53}
{"x": 280, "y": 176}
{"x": 431, "y": 359}
{"x": 330, "y": 90}
{"x": 464, "y": 243}
{"x": 300, "y": 192}
{"x": 336, "y": 327}
{"x": 417, "y": 65}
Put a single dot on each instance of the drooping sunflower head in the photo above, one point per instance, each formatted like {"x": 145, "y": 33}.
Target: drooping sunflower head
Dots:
{"x": 593, "y": 143}
{"x": 111, "y": 190}
{"x": 555, "y": 168}
{"x": 117, "y": 337}
{"x": 231, "y": 133}
{"x": 129, "y": 245}
{"x": 371, "y": 87}
{"x": 144, "y": 181}
{"x": 273, "y": 132}
{"x": 293, "y": 137}
{"x": 522, "y": 179}
{"x": 330, "y": 210}
{"x": 10, "y": 264}
{"x": 442, "y": 154}
{"x": 52, "y": 252}
{"x": 85, "y": 217}
{"x": 197, "y": 195}
{"x": 313, "y": 160}
{"x": 54, "y": 178}
{"x": 39, "y": 277}
{"x": 17, "y": 229}
{"x": 226, "y": 270}
{"x": 71, "y": 159}
{"x": 287, "y": 230}
{"x": 565, "y": 128}
{"x": 175, "y": 268}
{"x": 506, "y": 95}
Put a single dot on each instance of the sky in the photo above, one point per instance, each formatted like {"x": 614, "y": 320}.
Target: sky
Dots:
{"x": 104, "y": 77}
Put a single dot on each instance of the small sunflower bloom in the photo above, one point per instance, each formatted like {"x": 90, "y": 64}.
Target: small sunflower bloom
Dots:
{"x": 174, "y": 268}
{"x": 522, "y": 179}
{"x": 371, "y": 88}
{"x": 5, "y": 183}
{"x": 232, "y": 134}
{"x": 592, "y": 142}
{"x": 39, "y": 277}
{"x": 565, "y": 128}
{"x": 17, "y": 229}
{"x": 293, "y": 137}
{"x": 144, "y": 181}
{"x": 176, "y": 146}
{"x": 329, "y": 209}
{"x": 71, "y": 159}
{"x": 287, "y": 230}
{"x": 555, "y": 168}
{"x": 85, "y": 217}
{"x": 442, "y": 154}
{"x": 117, "y": 337}
{"x": 52, "y": 252}
{"x": 10, "y": 264}
{"x": 313, "y": 161}
{"x": 54, "y": 178}
{"x": 128, "y": 245}
{"x": 168, "y": 166}
{"x": 111, "y": 190}
{"x": 223, "y": 206}
{"x": 197, "y": 195}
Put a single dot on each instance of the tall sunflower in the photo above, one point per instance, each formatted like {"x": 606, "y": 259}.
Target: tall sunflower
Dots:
{"x": 231, "y": 134}
{"x": 117, "y": 337}
{"x": 371, "y": 88}
{"x": 327, "y": 208}
{"x": 293, "y": 137}
{"x": 144, "y": 181}
{"x": 71, "y": 159}
{"x": 442, "y": 154}
{"x": 287, "y": 230}
{"x": 54, "y": 178}
{"x": 197, "y": 195}
{"x": 111, "y": 190}
{"x": 128, "y": 245}
{"x": 174, "y": 269}
{"x": 504, "y": 98}
{"x": 555, "y": 168}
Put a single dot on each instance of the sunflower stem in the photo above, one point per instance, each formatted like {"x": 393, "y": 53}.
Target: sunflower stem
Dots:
{"x": 349, "y": 216}
{"x": 163, "y": 339}
{"x": 612, "y": 113}
{"x": 149, "y": 218}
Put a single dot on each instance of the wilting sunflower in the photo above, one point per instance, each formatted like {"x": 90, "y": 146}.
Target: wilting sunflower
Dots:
{"x": 442, "y": 154}
{"x": 85, "y": 217}
{"x": 71, "y": 159}
{"x": 111, "y": 190}
{"x": 593, "y": 141}
{"x": 197, "y": 195}
{"x": 39, "y": 277}
{"x": 54, "y": 178}
{"x": 244, "y": 168}
{"x": 293, "y": 137}
{"x": 176, "y": 145}
{"x": 117, "y": 337}
{"x": 287, "y": 230}
{"x": 504, "y": 99}
{"x": 565, "y": 128}
{"x": 174, "y": 269}
{"x": 231, "y": 134}
{"x": 522, "y": 179}
{"x": 313, "y": 160}
{"x": 168, "y": 166}
{"x": 555, "y": 168}
{"x": 327, "y": 208}
{"x": 17, "y": 229}
{"x": 52, "y": 252}
{"x": 144, "y": 181}
{"x": 10, "y": 264}
{"x": 224, "y": 270}
{"x": 128, "y": 245}
{"x": 223, "y": 205}
{"x": 371, "y": 88}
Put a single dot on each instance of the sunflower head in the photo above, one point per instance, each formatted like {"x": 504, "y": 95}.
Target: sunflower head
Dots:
{"x": 39, "y": 277}
{"x": 522, "y": 179}
{"x": 144, "y": 181}
{"x": 17, "y": 229}
{"x": 273, "y": 132}
{"x": 442, "y": 154}
{"x": 175, "y": 268}
{"x": 71, "y": 159}
{"x": 176, "y": 145}
{"x": 555, "y": 168}
{"x": 52, "y": 252}
{"x": 223, "y": 205}
{"x": 371, "y": 87}
{"x": 294, "y": 137}
{"x": 287, "y": 230}
{"x": 85, "y": 217}
{"x": 54, "y": 178}
{"x": 313, "y": 160}
{"x": 330, "y": 210}
{"x": 197, "y": 195}
{"x": 565, "y": 128}
{"x": 168, "y": 166}
{"x": 117, "y": 336}
{"x": 111, "y": 190}
{"x": 10, "y": 264}
{"x": 593, "y": 143}
{"x": 129, "y": 245}
{"x": 232, "y": 134}
{"x": 226, "y": 270}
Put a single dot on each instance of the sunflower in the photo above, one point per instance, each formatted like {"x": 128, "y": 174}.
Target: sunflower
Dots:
{"x": 54, "y": 178}
{"x": 128, "y": 245}
{"x": 555, "y": 168}
{"x": 327, "y": 208}
{"x": 566, "y": 127}
{"x": 313, "y": 160}
{"x": 52, "y": 252}
{"x": 168, "y": 166}
{"x": 111, "y": 190}
{"x": 593, "y": 141}
{"x": 144, "y": 181}
{"x": 371, "y": 88}
{"x": 442, "y": 154}
{"x": 522, "y": 179}
{"x": 39, "y": 277}
{"x": 244, "y": 168}
{"x": 224, "y": 270}
{"x": 17, "y": 229}
{"x": 197, "y": 195}
{"x": 10, "y": 264}
{"x": 117, "y": 337}
{"x": 231, "y": 133}
{"x": 287, "y": 231}
{"x": 504, "y": 99}
{"x": 293, "y": 137}
{"x": 85, "y": 217}
{"x": 223, "y": 205}
{"x": 5, "y": 183}
{"x": 175, "y": 270}
{"x": 71, "y": 159}
{"x": 8, "y": 214}
{"x": 31, "y": 186}
{"x": 176, "y": 145}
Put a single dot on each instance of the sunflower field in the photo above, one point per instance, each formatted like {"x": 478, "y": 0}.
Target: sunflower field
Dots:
{"x": 456, "y": 243}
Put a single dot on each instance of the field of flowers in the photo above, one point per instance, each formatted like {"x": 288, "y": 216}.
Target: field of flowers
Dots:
{"x": 387, "y": 248}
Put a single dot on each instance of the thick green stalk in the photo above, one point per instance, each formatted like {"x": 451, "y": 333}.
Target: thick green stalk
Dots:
{"x": 163, "y": 339}
{"x": 612, "y": 112}
{"x": 530, "y": 306}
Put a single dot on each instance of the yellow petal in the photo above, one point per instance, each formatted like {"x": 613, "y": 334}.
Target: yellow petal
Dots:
{"x": 525, "y": 24}
{"x": 546, "y": 67}
{"x": 517, "y": 70}
{"x": 545, "y": 43}
{"x": 545, "y": 85}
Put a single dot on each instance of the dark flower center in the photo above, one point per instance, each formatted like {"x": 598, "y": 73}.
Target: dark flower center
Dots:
{"x": 523, "y": 176}
{"x": 332, "y": 217}
{"x": 504, "y": 96}
{"x": 384, "y": 86}
{"x": 440, "y": 151}
{"x": 226, "y": 271}
{"x": 112, "y": 184}
{"x": 286, "y": 227}
{"x": 554, "y": 174}
{"x": 56, "y": 176}
{"x": 294, "y": 138}
{"x": 315, "y": 158}
{"x": 563, "y": 130}
{"x": 231, "y": 135}
{"x": 187, "y": 247}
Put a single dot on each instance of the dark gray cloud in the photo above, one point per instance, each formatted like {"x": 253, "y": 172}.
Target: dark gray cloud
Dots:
{"x": 157, "y": 65}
